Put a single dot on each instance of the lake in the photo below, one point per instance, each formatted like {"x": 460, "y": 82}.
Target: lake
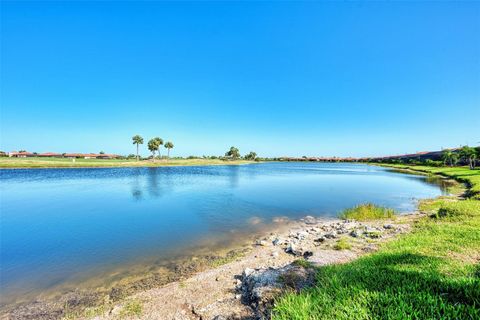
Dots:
{"x": 61, "y": 225}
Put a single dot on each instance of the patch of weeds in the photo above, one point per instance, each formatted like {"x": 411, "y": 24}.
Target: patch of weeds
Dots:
{"x": 367, "y": 211}
{"x": 230, "y": 257}
{"x": 132, "y": 308}
{"x": 373, "y": 234}
{"x": 96, "y": 311}
{"x": 303, "y": 263}
{"x": 342, "y": 244}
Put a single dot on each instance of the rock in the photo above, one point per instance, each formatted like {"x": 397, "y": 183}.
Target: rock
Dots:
{"x": 319, "y": 240}
{"x": 350, "y": 225}
{"x": 301, "y": 235}
{"x": 330, "y": 235}
{"x": 262, "y": 243}
{"x": 275, "y": 254}
{"x": 238, "y": 296}
{"x": 388, "y": 226}
{"x": 277, "y": 242}
{"x": 293, "y": 249}
{"x": 260, "y": 288}
{"x": 310, "y": 220}
{"x": 219, "y": 318}
{"x": 354, "y": 233}
{"x": 307, "y": 254}
{"x": 247, "y": 272}
{"x": 372, "y": 233}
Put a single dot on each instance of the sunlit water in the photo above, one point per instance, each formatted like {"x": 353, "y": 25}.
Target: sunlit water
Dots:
{"x": 59, "y": 223}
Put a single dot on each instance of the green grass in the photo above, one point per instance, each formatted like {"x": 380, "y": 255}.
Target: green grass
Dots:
{"x": 431, "y": 273}
{"x": 342, "y": 244}
{"x": 367, "y": 211}
{"x": 462, "y": 174}
{"x": 303, "y": 263}
{"x": 36, "y": 162}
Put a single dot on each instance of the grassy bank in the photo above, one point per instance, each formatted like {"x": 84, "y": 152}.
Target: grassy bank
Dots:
{"x": 462, "y": 174}
{"x": 35, "y": 162}
{"x": 431, "y": 273}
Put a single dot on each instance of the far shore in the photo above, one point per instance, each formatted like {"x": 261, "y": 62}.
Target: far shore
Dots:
{"x": 36, "y": 162}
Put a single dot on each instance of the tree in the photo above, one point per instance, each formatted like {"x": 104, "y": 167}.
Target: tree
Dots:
{"x": 251, "y": 156}
{"x": 449, "y": 157}
{"x": 160, "y": 142}
{"x": 153, "y": 146}
{"x": 233, "y": 153}
{"x": 168, "y": 145}
{"x": 137, "y": 140}
{"x": 469, "y": 154}
{"x": 102, "y": 152}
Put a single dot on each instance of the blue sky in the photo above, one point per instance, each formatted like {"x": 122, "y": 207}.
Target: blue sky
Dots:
{"x": 279, "y": 78}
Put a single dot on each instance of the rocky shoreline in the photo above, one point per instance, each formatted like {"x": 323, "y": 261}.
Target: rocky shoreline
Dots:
{"x": 245, "y": 287}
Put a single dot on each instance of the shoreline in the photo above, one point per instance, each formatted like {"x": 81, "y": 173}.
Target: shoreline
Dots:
{"x": 237, "y": 289}
{"x": 96, "y": 164}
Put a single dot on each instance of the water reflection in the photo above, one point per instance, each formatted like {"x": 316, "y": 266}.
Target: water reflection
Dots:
{"x": 136, "y": 191}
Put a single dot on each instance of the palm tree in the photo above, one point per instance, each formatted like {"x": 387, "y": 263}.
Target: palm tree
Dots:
{"x": 454, "y": 158}
{"x": 469, "y": 154}
{"x": 233, "y": 153}
{"x": 153, "y": 145}
{"x": 251, "y": 156}
{"x": 447, "y": 157}
{"x": 160, "y": 142}
{"x": 137, "y": 140}
{"x": 169, "y": 146}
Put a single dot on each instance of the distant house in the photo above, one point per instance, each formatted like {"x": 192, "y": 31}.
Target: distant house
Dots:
{"x": 106, "y": 156}
{"x": 50, "y": 155}
{"x": 90, "y": 156}
{"x": 73, "y": 155}
{"x": 23, "y": 154}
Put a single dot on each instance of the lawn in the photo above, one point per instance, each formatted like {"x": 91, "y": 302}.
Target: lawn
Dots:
{"x": 36, "y": 162}
{"x": 431, "y": 273}
{"x": 463, "y": 174}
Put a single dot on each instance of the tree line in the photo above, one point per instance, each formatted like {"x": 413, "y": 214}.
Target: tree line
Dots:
{"x": 449, "y": 157}
{"x": 153, "y": 145}
{"x": 467, "y": 154}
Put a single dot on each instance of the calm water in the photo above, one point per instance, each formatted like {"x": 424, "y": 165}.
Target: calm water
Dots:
{"x": 59, "y": 223}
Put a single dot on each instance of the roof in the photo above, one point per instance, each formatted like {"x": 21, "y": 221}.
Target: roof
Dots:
{"x": 49, "y": 154}
{"x": 14, "y": 153}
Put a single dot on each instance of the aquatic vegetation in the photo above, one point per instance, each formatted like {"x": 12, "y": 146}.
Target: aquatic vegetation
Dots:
{"x": 367, "y": 211}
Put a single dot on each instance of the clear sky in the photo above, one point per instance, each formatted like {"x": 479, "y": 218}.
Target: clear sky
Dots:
{"x": 279, "y": 78}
